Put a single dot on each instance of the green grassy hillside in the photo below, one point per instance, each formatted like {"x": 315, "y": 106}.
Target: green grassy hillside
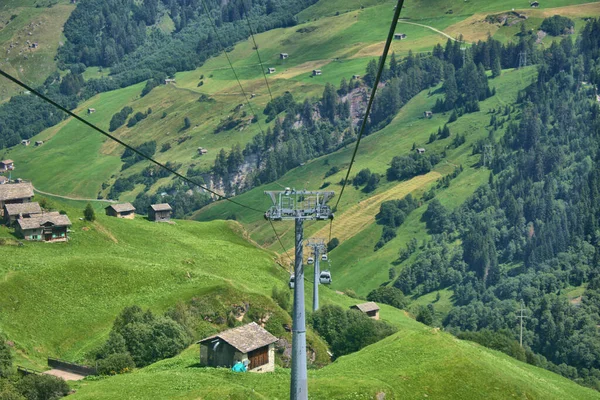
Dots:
{"x": 61, "y": 299}
{"x": 37, "y": 22}
{"x": 418, "y": 362}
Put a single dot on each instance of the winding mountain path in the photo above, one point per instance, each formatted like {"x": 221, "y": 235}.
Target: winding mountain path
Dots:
{"x": 432, "y": 28}
{"x": 71, "y": 198}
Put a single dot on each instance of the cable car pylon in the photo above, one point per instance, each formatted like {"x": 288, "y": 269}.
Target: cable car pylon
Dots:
{"x": 299, "y": 205}
{"x": 320, "y": 253}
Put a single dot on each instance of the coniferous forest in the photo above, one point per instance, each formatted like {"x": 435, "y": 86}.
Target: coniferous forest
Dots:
{"x": 532, "y": 231}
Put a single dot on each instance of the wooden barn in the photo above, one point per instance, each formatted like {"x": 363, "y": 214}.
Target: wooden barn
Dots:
{"x": 48, "y": 227}
{"x": 25, "y": 142}
{"x": 15, "y": 193}
{"x": 369, "y": 308}
{"x": 250, "y": 344}
{"x": 7, "y": 165}
{"x": 317, "y": 72}
{"x": 91, "y": 110}
{"x": 13, "y": 212}
{"x": 283, "y": 56}
{"x": 427, "y": 114}
{"x": 39, "y": 143}
{"x": 160, "y": 212}
{"x": 420, "y": 150}
{"x": 271, "y": 70}
{"x": 125, "y": 210}
{"x": 399, "y": 36}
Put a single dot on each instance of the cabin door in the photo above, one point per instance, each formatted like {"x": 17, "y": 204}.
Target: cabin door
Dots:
{"x": 258, "y": 357}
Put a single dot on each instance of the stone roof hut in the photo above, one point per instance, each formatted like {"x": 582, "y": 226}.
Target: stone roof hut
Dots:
{"x": 125, "y": 210}
{"x": 160, "y": 212}
{"x": 13, "y": 212}
{"x": 250, "y": 344}
{"x": 48, "y": 227}
{"x": 370, "y": 308}
{"x": 15, "y": 193}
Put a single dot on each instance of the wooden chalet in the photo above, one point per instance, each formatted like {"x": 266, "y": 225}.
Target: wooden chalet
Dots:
{"x": 15, "y": 193}
{"x": 271, "y": 70}
{"x": 427, "y": 114}
{"x": 125, "y": 210}
{"x": 369, "y": 308}
{"x": 202, "y": 151}
{"x": 160, "y": 212}
{"x": 13, "y": 212}
{"x": 399, "y": 36}
{"x": 317, "y": 72}
{"x": 283, "y": 56}
{"x": 250, "y": 344}
{"x": 48, "y": 227}
{"x": 7, "y": 165}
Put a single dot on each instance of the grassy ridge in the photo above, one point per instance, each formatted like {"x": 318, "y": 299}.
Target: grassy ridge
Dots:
{"x": 415, "y": 363}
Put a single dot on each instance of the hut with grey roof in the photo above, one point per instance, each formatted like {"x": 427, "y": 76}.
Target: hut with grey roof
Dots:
{"x": 46, "y": 227}
{"x": 250, "y": 344}
{"x": 13, "y": 212}
{"x": 7, "y": 165}
{"x": 15, "y": 193}
{"x": 160, "y": 212}
{"x": 125, "y": 210}
{"x": 370, "y": 308}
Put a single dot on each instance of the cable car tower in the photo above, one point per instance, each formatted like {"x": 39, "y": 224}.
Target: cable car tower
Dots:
{"x": 299, "y": 205}
{"x": 320, "y": 252}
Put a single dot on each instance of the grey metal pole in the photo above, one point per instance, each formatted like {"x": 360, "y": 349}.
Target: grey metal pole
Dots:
{"x": 298, "y": 386}
{"x": 316, "y": 280}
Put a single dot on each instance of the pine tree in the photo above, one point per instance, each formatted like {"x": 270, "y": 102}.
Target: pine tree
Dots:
{"x": 394, "y": 66}
{"x": 496, "y": 68}
{"x": 89, "y": 213}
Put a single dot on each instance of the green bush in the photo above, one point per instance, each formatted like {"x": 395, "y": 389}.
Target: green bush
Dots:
{"x": 117, "y": 363}
{"x": 42, "y": 387}
{"x": 388, "y": 295}
{"x": 5, "y": 358}
{"x": 281, "y": 297}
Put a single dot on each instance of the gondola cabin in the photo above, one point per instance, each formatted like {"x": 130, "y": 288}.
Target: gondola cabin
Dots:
{"x": 310, "y": 260}
{"x": 325, "y": 278}
{"x": 324, "y": 257}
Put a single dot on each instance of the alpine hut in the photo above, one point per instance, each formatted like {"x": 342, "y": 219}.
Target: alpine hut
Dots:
{"x": 250, "y": 344}
{"x": 160, "y": 212}
{"x": 15, "y": 193}
{"x": 48, "y": 227}
{"x": 13, "y": 212}
{"x": 369, "y": 308}
{"x": 125, "y": 210}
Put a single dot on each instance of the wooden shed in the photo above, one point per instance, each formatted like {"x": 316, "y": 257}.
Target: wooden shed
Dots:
{"x": 15, "y": 193}
{"x": 91, "y": 110}
{"x": 427, "y": 114}
{"x": 317, "y": 72}
{"x": 125, "y": 210}
{"x": 7, "y": 165}
{"x": 534, "y": 4}
{"x": 25, "y": 142}
{"x": 370, "y": 308}
{"x": 271, "y": 70}
{"x": 13, "y": 212}
{"x": 39, "y": 143}
{"x": 250, "y": 344}
{"x": 283, "y": 56}
{"x": 48, "y": 227}
{"x": 399, "y": 36}
{"x": 160, "y": 212}
{"x": 420, "y": 150}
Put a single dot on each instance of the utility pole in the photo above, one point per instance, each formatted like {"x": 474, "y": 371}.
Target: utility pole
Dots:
{"x": 521, "y": 317}
{"x": 319, "y": 248}
{"x": 299, "y": 206}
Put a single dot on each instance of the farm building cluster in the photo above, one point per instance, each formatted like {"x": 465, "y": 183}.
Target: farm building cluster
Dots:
{"x": 156, "y": 212}
{"x": 28, "y": 218}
